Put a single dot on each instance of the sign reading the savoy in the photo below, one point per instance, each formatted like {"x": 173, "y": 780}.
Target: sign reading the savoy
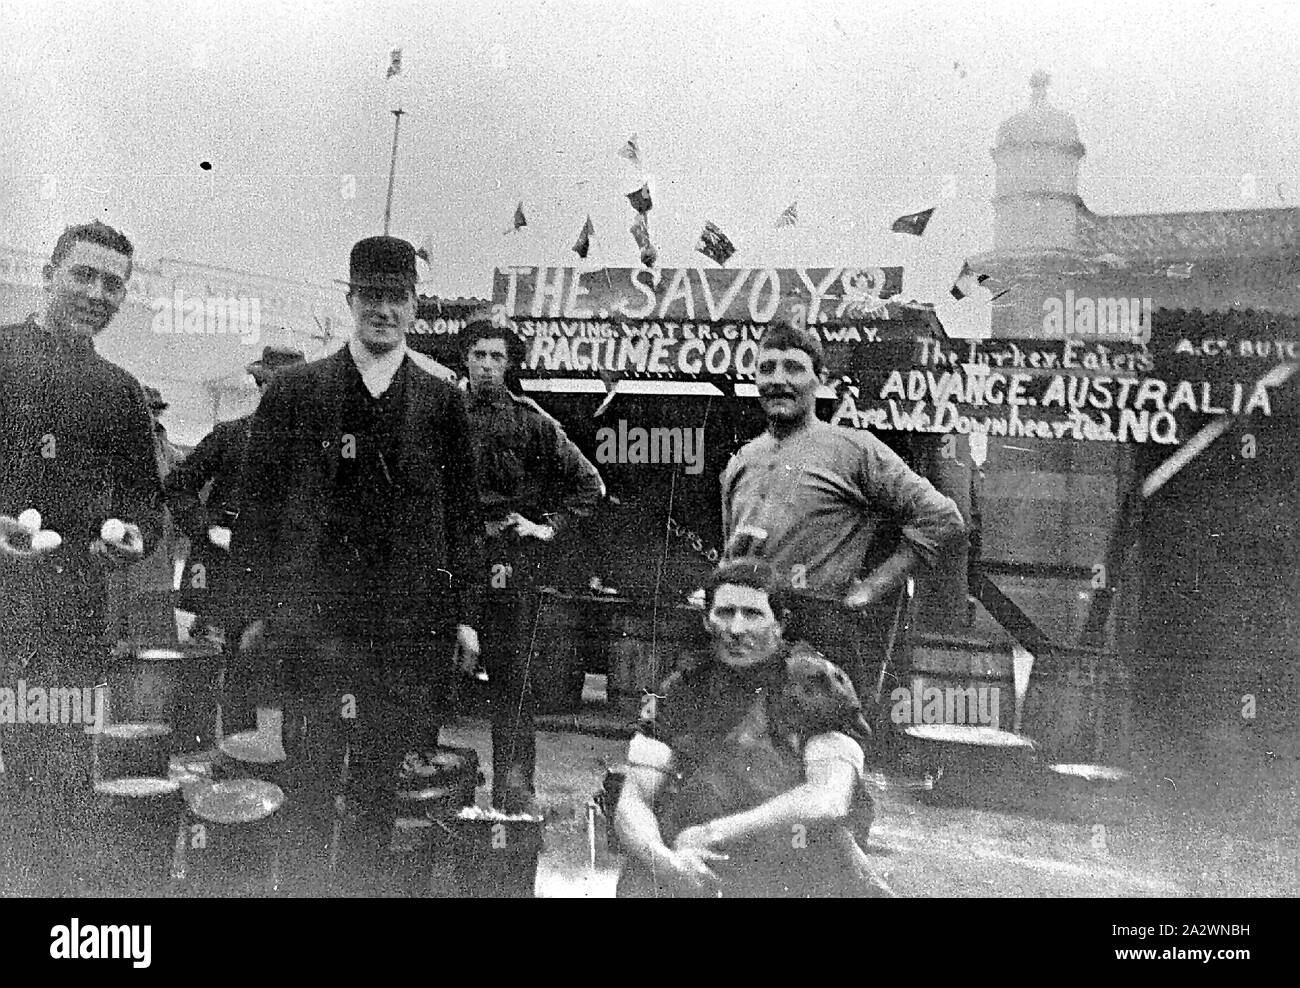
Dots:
{"x": 756, "y": 295}
{"x": 690, "y": 324}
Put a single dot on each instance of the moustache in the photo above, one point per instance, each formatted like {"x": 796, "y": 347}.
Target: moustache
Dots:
{"x": 775, "y": 393}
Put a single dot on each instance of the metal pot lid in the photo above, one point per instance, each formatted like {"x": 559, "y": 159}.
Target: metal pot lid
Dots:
{"x": 253, "y": 747}
{"x": 236, "y": 801}
{"x": 175, "y": 652}
{"x": 423, "y": 795}
{"x": 978, "y": 736}
{"x": 1091, "y": 773}
{"x": 135, "y": 732}
{"x": 136, "y": 787}
{"x": 429, "y": 764}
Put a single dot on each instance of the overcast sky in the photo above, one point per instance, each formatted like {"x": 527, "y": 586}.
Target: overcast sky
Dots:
{"x": 856, "y": 110}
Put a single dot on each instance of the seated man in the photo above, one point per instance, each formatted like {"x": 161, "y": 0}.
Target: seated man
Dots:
{"x": 734, "y": 704}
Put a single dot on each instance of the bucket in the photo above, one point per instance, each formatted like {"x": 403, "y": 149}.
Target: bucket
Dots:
{"x": 450, "y": 778}
{"x": 429, "y": 795}
{"x": 1079, "y": 709}
{"x": 170, "y": 684}
{"x": 975, "y": 766}
{"x": 135, "y": 825}
{"x": 121, "y": 751}
{"x": 257, "y": 754}
{"x": 232, "y": 838}
{"x": 556, "y": 666}
{"x": 491, "y": 856}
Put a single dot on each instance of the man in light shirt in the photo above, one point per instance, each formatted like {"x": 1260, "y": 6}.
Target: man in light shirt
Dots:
{"x": 839, "y": 515}
{"x": 359, "y": 544}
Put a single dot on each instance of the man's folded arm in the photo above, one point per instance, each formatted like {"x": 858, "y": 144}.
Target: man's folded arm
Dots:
{"x": 831, "y": 773}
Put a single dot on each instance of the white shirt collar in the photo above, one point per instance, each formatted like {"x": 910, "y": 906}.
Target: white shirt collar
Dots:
{"x": 377, "y": 372}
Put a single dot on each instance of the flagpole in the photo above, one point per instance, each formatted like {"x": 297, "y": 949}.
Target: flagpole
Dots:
{"x": 392, "y": 169}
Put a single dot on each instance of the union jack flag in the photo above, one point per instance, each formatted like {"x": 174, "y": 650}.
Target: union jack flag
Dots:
{"x": 714, "y": 244}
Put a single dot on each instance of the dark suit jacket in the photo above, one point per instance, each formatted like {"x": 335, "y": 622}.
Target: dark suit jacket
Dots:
{"x": 218, "y": 460}
{"x": 217, "y": 466}
{"x": 435, "y": 570}
{"x": 76, "y": 444}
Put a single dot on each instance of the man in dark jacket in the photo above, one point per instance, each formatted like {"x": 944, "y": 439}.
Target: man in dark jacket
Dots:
{"x": 535, "y": 483}
{"x": 75, "y": 444}
{"x": 151, "y": 582}
{"x": 216, "y": 467}
{"x": 359, "y": 541}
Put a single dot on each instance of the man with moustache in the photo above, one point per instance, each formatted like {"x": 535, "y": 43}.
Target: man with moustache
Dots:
{"x": 820, "y": 503}
{"x": 75, "y": 444}
{"x": 535, "y": 484}
{"x": 359, "y": 544}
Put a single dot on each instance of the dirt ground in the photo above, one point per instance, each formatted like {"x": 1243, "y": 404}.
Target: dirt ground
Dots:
{"x": 1218, "y": 817}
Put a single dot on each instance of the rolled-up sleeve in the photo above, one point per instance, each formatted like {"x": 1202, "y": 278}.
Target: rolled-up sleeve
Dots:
{"x": 930, "y": 520}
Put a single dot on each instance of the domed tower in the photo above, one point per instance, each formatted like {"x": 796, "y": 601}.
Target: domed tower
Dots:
{"x": 1037, "y": 176}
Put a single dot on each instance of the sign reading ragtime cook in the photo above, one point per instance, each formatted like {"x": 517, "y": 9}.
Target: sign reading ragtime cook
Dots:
{"x": 687, "y": 324}
{"x": 1105, "y": 378}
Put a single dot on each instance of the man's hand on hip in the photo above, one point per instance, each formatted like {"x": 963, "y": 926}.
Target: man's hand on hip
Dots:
{"x": 884, "y": 579}
{"x": 864, "y": 593}
{"x": 254, "y": 637}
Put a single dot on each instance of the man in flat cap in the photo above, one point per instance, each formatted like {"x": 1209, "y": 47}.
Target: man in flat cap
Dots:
{"x": 359, "y": 543}
{"x": 535, "y": 484}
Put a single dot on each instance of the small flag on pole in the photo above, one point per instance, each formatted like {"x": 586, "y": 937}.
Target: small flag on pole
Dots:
{"x": 640, "y": 199}
{"x": 789, "y": 216}
{"x": 426, "y": 250}
{"x": 714, "y": 243}
{"x": 519, "y": 220}
{"x": 630, "y": 151}
{"x": 640, "y": 231}
{"x": 610, "y": 381}
{"x": 913, "y": 223}
{"x": 583, "y": 244}
{"x": 395, "y": 65}
{"x": 966, "y": 282}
